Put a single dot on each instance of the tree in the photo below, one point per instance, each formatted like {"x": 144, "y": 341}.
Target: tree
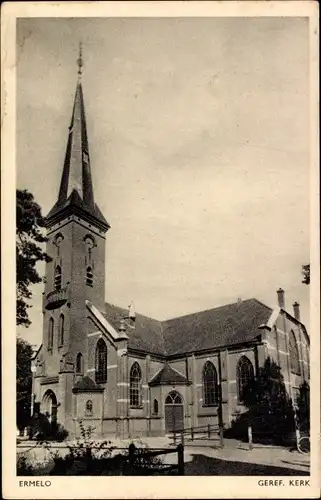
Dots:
{"x": 306, "y": 274}
{"x": 270, "y": 411}
{"x": 29, "y": 235}
{"x": 24, "y": 382}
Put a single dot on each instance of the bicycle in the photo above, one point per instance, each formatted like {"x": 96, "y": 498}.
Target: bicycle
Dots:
{"x": 303, "y": 444}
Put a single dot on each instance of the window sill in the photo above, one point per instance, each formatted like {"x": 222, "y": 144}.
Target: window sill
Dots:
{"x": 216, "y": 405}
{"x": 137, "y": 407}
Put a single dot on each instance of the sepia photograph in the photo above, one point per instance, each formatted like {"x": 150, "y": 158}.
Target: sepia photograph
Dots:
{"x": 163, "y": 248}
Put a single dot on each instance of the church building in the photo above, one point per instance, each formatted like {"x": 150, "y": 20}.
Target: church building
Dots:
{"x": 126, "y": 374}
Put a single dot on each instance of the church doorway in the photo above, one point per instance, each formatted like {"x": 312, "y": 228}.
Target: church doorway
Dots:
{"x": 174, "y": 412}
{"x": 50, "y": 406}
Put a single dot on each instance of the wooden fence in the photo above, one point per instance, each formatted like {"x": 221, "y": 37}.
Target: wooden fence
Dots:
{"x": 140, "y": 455}
{"x": 200, "y": 432}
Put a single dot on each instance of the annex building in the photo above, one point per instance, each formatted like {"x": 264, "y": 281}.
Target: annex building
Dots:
{"x": 127, "y": 374}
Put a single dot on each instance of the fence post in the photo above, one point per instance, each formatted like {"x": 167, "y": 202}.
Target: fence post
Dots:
{"x": 88, "y": 459}
{"x": 174, "y": 438}
{"x": 192, "y": 433}
{"x": 209, "y": 430}
{"x": 131, "y": 456}
{"x": 182, "y": 438}
{"x": 180, "y": 460}
{"x": 297, "y": 436}
{"x": 249, "y": 432}
{"x": 221, "y": 436}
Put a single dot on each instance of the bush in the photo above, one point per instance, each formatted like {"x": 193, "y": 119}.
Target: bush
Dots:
{"x": 85, "y": 456}
{"x": 88, "y": 457}
{"x": 27, "y": 466}
{"x": 23, "y": 467}
{"x": 42, "y": 430}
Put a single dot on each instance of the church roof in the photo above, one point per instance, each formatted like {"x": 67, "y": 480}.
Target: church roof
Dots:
{"x": 226, "y": 325}
{"x": 86, "y": 384}
{"x": 147, "y": 334}
{"x": 76, "y": 186}
{"x": 168, "y": 376}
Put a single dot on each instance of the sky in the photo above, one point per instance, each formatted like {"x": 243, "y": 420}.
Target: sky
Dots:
{"x": 199, "y": 144}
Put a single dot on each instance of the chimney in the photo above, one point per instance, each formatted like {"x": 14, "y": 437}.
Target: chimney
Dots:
{"x": 280, "y": 293}
{"x": 296, "y": 310}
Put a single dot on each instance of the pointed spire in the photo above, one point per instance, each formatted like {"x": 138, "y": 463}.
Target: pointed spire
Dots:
{"x": 76, "y": 185}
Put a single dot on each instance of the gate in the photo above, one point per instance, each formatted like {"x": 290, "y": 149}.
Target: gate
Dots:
{"x": 174, "y": 412}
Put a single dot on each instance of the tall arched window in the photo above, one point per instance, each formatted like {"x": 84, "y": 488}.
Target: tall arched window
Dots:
{"x": 210, "y": 385}
{"x": 245, "y": 373}
{"x": 101, "y": 362}
{"x": 89, "y": 277}
{"x": 294, "y": 354}
{"x": 155, "y": 407}
{"x": 50, "y": 334}
{"x": 135, "y": 388}
{"x": 57, "y": 242}
{"x": 58, "y": 278}
{"x": 90, "y": 243}
{"x": 79, "y": 364}
{"x": 61, "y": 330}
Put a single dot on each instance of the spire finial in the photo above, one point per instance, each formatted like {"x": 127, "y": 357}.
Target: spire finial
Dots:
{"x": 80, "y": 61}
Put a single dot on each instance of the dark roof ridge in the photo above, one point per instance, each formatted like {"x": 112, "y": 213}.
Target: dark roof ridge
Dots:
{"x": 262, "y": 304}
{"x": 214, "y": 309}
{"x": 162, "y": 321}
{"x": 175, "y": 369}
{"x": 168, "y": 375}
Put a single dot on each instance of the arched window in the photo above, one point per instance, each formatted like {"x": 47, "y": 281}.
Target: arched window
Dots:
{"x": 90, "y": 243}
{"x": 50, "y": 334}
{"x": 101, "y": 362}
{"x": 173, "y": 398}
{"x": 61, "y": 330}
{"x": 58, "y": 278}
{"x": 135, "y": 388}
{"x": 79, "y": 364}
{"x": 294, "y": 354}
{"x": 155, "y": 407}
{"x": 308, "y": 359}
{"x": 210, "y": 385}
{"x": 89, "y": 277}
{"x": 57, "y": 242}
{"x": 89, "y": 408}
{"x": 245, "y": 373}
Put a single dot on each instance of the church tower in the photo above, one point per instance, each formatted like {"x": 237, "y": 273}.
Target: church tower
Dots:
{"x": 76, "y": 231}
